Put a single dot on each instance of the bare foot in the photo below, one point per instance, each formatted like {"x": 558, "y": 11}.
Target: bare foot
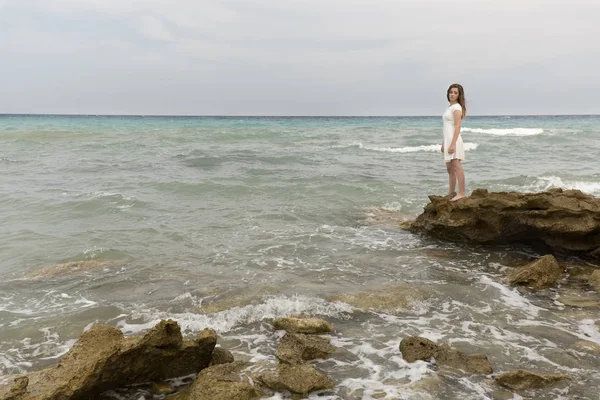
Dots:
{"x": 450, "y": 195}
{"x": 458, "y": 197}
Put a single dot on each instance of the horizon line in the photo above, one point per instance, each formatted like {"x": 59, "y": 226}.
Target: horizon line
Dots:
{"x": 282, "y": 116}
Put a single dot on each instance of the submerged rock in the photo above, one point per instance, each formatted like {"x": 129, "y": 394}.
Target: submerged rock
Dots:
{"x": 579, "y": 301}
{"x": 471, "y": 363}
{"x": 587, "y": 346}
{"x": 563, "y": 220}
{"x": 69, "y": 268}
{"x": 295, "y": 348}
{"x": 539, "y": 274}
{"x": 302, "y": 324}
{"x": 415, "y": 348}
{"x": 594, "y": 280}
{"x": 522, "y": 380}
{"x": 298, "y": 378}
{"x": 390, "y": 299}
{"x": 103, "y": 359}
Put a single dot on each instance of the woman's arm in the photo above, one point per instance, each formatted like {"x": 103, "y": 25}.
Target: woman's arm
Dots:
{"x": 457, "y": 121}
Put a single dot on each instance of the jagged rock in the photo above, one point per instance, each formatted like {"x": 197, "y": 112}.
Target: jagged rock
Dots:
{"x": 522, "y": 380}
{"x": 103, "y": 359}
{"x": 563, "y": 220}
{"x": 415, "y": 348}
{"x": 587, "y": 346}
{"x": 298, "y": 378}
{"x": 294, "y": 348}
{"x": 18, "y": 389}
{"x": 301, "y": 324}
{"x": 594, "y": 280}
{"x": 221, "y": 356}
{"x": 222, "y": 382}
{"x": 539, "y": 274}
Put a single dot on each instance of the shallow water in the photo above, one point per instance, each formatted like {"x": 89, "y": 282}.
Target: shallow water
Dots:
{"x": 230, "y": 222}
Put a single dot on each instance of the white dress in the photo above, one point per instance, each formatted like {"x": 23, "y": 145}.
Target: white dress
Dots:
{"x": 448, "y": 118}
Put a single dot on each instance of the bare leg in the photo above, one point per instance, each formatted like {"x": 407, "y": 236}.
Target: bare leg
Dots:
{"x": 451, "y": 178}
{"x": 460, "y": 175}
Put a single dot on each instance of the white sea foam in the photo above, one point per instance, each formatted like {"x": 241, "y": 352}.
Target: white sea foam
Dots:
{"x": 544, "y": 183}
{"x": 506, "y": 132}
{"x": 512, "y": 297}
{"x": 432, "y": 148}
{"x": 224, "y": 321}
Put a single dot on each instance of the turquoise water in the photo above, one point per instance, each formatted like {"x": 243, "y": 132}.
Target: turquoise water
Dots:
{"x": 228, "y": 222}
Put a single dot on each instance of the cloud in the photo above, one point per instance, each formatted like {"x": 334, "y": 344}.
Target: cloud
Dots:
{"x": 278, "y": 54}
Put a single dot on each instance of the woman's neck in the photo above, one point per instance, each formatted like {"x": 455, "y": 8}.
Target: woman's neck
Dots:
{"x": 453, "y": 103}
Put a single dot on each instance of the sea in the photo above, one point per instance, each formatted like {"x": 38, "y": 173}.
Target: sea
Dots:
{"x": 230, "y": 222}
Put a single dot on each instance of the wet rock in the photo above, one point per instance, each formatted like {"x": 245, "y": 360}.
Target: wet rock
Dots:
{"x": 539, "y": 274}
{"x": 389, "y": 299}
{"x": 221, "y": 356}
{"x": 301, "y": 324}
{"x": 561, "y": 219}
{"x": 522, "y": 380}
{"x": 18, "y": 389}
{"x": 579, "y": 301}
{"x": 587, "y": 346}
{"x": 594, "y": 280}
{"x": 294, "y": 348}
{"x": 415, "y": 348}
{"x": 471, "y": 363}
{"x": 222, "y": 382}
{"x": 298, "y": 378}
{"x": 162, "y": 388}
{"x": 103, "y": 359}
{"x": 72, "y": 267}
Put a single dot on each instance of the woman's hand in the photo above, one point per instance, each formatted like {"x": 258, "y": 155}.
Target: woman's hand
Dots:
{"x": 451, "y": 149}
{"x": 442, "y": 149}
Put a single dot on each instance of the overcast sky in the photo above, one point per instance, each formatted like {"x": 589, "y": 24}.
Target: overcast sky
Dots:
{"x": 288, "y": 57}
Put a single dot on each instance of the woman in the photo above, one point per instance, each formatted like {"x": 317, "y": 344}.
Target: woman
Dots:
{"x": 452, "y": 146}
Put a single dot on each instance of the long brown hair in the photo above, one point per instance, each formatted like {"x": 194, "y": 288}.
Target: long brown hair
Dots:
{"x": 461, "y": 97}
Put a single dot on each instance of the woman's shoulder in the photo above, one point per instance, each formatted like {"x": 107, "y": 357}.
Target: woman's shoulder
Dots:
{"x": 455, "y": 107}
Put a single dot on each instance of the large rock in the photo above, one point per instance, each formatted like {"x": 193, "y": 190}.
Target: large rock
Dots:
{"x": 103, "y": 359}
{"x": 302, "y": 324}
{"x": 522, "y": 380}
{"x": 222, "y": 382}
{"x": 539, "y": 274}
{"x": 298, "y": 378}
{"x": 562, "y": 220}
{"x": 295, "y": 348}
{"x": 415, "y": 348}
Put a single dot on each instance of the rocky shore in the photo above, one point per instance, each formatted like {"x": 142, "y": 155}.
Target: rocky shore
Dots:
{"x": 103, "y": 360}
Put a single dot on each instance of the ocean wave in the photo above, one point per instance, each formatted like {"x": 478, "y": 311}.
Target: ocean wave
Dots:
{"x": 544, "y": 183}
{"x": 432, "y": 148}
{"x": 506, "y": 132}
